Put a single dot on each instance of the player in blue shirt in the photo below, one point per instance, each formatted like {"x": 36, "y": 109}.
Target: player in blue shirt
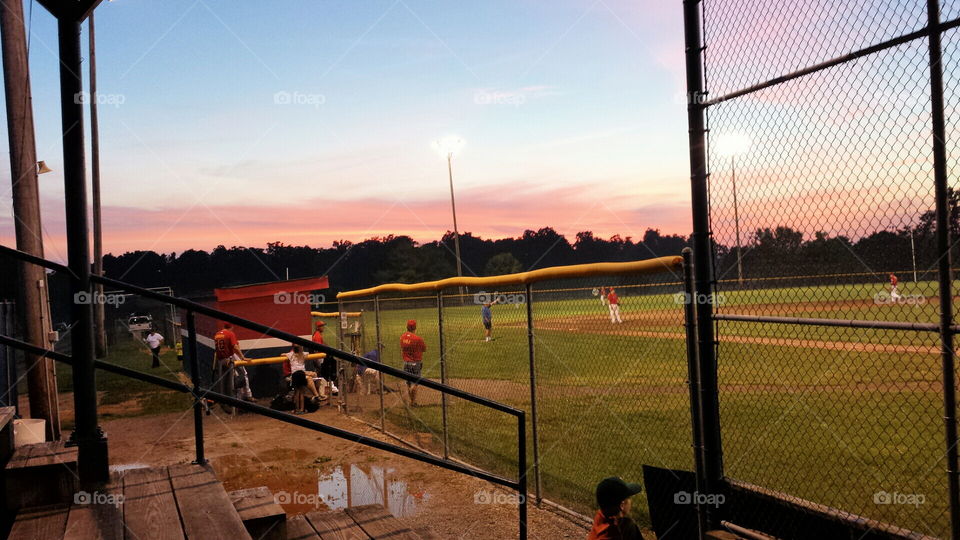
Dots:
{"x": 487, "y": 316}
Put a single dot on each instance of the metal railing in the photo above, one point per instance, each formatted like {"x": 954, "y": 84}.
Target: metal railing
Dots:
{"x": 200, "y": 393}
{"x": 554, "y": 352}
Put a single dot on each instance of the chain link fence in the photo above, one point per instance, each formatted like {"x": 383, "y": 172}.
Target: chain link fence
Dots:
{"x": 605, "y": 389}
{"x": 821, "y": 137}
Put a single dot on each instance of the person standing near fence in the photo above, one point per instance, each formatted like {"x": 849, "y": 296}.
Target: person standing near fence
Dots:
{"x": 614, "y": 304}
{"x": 328, "y": 366}
{"x": 412, "y": 348}
{"x": 226, "y": 351}
{"x": 154, "y": 341}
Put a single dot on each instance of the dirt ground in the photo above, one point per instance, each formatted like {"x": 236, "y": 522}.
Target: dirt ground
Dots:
{"x": 250, "y": 451}
{"x": 634, "y": 324}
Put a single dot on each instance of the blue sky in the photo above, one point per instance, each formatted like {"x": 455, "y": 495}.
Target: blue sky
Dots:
{"x": 306, "y": 121}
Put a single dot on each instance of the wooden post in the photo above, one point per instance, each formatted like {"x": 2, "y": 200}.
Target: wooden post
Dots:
{"x": 31, "y": 292}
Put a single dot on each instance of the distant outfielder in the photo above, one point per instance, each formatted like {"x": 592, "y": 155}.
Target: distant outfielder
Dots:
{"x": 486, "y": 316}
{"x": 614, "y": 304}
{"x": 894, "y": 293}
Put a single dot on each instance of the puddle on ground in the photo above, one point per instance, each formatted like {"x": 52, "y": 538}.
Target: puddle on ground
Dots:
{"x": 346, "y": 488}
{"x": 123, "y": 467}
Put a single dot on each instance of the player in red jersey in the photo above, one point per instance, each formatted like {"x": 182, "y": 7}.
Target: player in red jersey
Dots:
{"x": 226, "y": 351}
{"x": 614, "y": 304}
{"x": 412, "y": 348}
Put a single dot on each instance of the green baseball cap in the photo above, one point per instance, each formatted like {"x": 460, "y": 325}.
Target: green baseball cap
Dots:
{"x": 612, "y": 491}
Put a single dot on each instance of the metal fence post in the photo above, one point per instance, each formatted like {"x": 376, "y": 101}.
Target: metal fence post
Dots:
{"x": 693, "y": 379}
{"x": 376, "y": 315}
{"x": 341, "y": 376}
{"x": 531, "y": 348}
{"x": 522, "y": 468}
{"x": 943, "y": 259}
{"x": 443, "y": 376}
{"x": 93, "y": 461}
{"x": 8, "y": 360}
{"x": 702, "y": 246}
{"x": 198, "y": 406}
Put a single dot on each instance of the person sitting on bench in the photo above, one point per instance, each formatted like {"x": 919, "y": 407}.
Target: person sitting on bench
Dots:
{"x": 302, "y": 380}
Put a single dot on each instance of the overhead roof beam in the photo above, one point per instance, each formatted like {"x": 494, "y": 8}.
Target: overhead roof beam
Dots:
{"x": 77, "y": 10}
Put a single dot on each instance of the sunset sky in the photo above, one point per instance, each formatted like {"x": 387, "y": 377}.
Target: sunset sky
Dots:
{"x": 241, "y": 123}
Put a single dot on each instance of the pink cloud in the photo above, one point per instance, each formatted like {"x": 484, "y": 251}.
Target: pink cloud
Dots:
{"x": 490, "y": 213}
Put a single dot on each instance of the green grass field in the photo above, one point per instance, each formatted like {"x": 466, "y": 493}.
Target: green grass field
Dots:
{"x": 117, "y": 389}
{"x": 833, "y": 415}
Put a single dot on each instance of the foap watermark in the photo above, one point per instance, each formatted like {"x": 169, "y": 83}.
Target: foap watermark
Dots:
{"x": 700, "y": 499}
{"x": 691, "y": 98}
{"x": 296, "y": 497}
{"x": 684, "y": 298}
{"x": 98, "y": 497}
{"x": 495, "y": 497}
{"x": 484, "y": 97}
{"x": 284, "y": 97}
{"x": 884, "y": 298}
{"x": 298, "y": 298}
{"x": 98, "y": 298}
{"x": 484, "y": 297}
{"x": 114, "y": 100}
{"x": 894, "y": 497}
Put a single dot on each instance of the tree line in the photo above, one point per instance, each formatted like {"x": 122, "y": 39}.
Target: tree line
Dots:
{"x": 765, "y": 252}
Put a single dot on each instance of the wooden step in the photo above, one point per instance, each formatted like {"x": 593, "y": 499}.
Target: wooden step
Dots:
{"x": 357, "y": 523}
{"x": 41, "y": 475}
{"x": 97, "y": 515}
{"x": 150, "y": 509}
{"x": 263, "y": 518}
{"x": 298, "y": 528}
{"x": 47, "y": 523}
{"x": 205, "y": 509}
{"x": 378, "y": 523}
{"x": 175, "y": 503}
{"x": 336, "y": 526}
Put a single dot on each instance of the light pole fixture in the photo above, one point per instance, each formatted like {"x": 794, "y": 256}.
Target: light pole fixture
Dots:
{"x": 732, "y": 145}
{"x": 448, "y": 146}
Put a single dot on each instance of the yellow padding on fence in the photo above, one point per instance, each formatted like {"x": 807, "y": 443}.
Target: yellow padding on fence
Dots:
{"x": 276, "y": 359}
{"x": 334, "y": 313}
{"x": 649, "y": 266}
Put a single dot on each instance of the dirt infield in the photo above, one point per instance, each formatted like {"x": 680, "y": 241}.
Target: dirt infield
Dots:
{"x": 634, "y": 323}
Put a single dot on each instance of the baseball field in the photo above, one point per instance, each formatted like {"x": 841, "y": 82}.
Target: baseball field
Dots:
{"x": 849, "y": 418}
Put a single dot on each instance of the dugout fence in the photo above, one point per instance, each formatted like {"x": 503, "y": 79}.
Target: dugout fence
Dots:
{"x": 823, "y": 136}
{"x": 604, "y": 397}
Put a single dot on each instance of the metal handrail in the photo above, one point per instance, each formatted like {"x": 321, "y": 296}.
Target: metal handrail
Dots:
{"x": 269, "y": 331}
{"x": 200, "y": 393}
{"x": 203, "y": 393}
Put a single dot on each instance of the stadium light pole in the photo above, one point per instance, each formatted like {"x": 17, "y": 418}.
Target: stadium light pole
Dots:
{"x": 448, "y": 146}
{"x": 732, "y": 145}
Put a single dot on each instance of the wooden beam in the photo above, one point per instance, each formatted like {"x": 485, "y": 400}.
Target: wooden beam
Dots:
{"x": 52, "y": 6}
{"x": 77, "y": 10}
{"x": 87, "y": 8}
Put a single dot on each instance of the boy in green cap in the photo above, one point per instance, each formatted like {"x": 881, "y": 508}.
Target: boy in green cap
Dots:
{"x": 612, "y": 521}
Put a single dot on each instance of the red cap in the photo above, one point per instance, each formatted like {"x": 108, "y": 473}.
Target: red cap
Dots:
{"x": 321, "y": 323}
{"x": 411, "y": 324}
